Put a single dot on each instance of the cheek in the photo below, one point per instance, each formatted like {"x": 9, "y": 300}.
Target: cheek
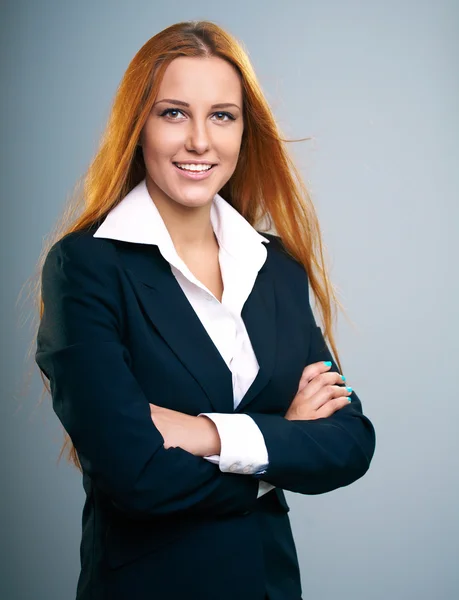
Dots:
{"x": 229, "y": 149}
{"x": 156, "y": 154}
{"x": 235, "y": 158}
{"x": 161, "y": 143}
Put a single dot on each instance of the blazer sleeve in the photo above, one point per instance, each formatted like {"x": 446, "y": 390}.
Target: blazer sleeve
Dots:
{"x": 101, "y": 404}
{"x": 317, "y": 456}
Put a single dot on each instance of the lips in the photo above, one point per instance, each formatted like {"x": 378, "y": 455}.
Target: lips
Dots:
{"x": 188, "y": 170}
{"x": 197, "y": 175}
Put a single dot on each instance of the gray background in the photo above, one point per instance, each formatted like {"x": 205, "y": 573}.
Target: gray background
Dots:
{"x": 376, "y": 85}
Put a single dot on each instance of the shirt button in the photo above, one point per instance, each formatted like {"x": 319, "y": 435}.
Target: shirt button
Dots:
{"x": 247, "y": 469}
{"x": 235, "y": 466}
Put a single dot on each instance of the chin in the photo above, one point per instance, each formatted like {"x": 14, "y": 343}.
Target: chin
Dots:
{"x": 192, "y": 195}
{"x": 194, "y": 201}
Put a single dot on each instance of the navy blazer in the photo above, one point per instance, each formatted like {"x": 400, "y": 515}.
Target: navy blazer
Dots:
{"x": 117, "y": 333}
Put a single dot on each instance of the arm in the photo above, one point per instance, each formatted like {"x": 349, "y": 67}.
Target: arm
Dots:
{"x": 317, "y": 456}
{"x": 314, "y": 456}
{"x": 243, "y": 448}
{"x": 101, "y": 404}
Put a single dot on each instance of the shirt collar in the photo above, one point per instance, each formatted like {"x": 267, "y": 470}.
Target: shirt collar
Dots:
{"x": 136, "y": 219}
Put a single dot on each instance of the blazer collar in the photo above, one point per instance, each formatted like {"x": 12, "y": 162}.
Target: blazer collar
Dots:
{"x": 135, "y": 220}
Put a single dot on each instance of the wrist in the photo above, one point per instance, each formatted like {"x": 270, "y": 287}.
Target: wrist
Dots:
{"x": 211, "y": 437}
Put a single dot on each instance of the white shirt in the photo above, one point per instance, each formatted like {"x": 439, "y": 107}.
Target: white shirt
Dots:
{"x": 241, "y": 255}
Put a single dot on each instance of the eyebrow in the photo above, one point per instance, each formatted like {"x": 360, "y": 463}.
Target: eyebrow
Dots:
{"x": 181, "y": 103}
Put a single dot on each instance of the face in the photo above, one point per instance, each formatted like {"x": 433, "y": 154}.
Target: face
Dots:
{"x": 188, "y": 129}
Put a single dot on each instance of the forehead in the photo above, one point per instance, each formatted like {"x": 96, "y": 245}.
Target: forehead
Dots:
{"x": 210, "y": 79}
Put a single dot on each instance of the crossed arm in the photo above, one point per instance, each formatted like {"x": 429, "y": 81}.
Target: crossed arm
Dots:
{"x": 234, "y": 441}
{"x": 120, "y": 448}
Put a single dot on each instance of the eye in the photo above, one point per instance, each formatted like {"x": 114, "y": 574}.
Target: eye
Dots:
{"x": 169, "y": 111}
{"x": 226, "y": 114}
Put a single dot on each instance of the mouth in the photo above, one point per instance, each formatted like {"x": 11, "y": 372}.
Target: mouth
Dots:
{"x": 194, "y": 174}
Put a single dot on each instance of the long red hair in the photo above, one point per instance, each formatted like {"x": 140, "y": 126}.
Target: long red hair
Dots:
{"x": 265, "y": 184}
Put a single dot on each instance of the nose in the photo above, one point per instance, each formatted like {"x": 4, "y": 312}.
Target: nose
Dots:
{"x": 198, "y": 138}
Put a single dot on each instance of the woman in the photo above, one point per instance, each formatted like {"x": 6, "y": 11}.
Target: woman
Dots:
{"x": 184, "y": 360}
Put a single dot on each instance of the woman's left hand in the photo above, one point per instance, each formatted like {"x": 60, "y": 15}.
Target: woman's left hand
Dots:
{"x": 197, "y": 435}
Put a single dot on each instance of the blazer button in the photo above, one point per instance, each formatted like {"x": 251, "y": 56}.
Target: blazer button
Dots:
{"x": 247, "y": 512}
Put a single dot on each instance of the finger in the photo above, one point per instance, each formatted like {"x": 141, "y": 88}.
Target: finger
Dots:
{"x": 307, "y": 401}
{"x": 311, "y": 371}
{"x": 320, "y": 381}
{"x": 329, "y": 393}
{"x": 331, "y": 407}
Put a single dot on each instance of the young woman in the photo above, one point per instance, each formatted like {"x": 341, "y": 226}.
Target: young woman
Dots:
{"x": 183, "y": 357}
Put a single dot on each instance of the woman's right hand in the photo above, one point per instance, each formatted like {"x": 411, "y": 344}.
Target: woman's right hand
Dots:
{"x": 319, "y": 394}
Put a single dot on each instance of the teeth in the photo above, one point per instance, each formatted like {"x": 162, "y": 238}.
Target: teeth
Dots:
{"x": 187, "y": 167}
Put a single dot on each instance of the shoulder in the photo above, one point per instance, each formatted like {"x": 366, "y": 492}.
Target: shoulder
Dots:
{"x": 79, "y": 253}
{"x": 280, "y": 258}
{"x": 276, "y": 248}
{"x": 82, "y": 247}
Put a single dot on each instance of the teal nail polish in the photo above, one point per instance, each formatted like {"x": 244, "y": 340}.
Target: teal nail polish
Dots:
{"x": 349, "y": 389}
{"x": 327, "y": 363}
{"x": 349, "y": 399}
{"x": 343, "y": 378}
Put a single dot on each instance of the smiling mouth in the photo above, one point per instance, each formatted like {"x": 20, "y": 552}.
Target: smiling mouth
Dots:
{"x": 194, "y": 170}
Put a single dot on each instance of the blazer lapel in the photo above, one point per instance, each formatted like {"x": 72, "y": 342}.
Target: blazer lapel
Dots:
{"x": 259, "y": 316}
{"x": 172, "y": 315}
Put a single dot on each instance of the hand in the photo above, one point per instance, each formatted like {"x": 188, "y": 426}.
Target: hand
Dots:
{"x": 197, "y": 435}
{"x": 319, "y": 394}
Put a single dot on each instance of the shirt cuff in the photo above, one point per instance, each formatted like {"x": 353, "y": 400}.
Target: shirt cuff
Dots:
{"x": 243, "y": 447}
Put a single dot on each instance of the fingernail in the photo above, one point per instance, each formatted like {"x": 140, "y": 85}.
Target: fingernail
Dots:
{"x": 343, "y": 378}
{"x": 349, "y": 399}
{"x": 327, "y": 363}
{"x": 349, "y": 389}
